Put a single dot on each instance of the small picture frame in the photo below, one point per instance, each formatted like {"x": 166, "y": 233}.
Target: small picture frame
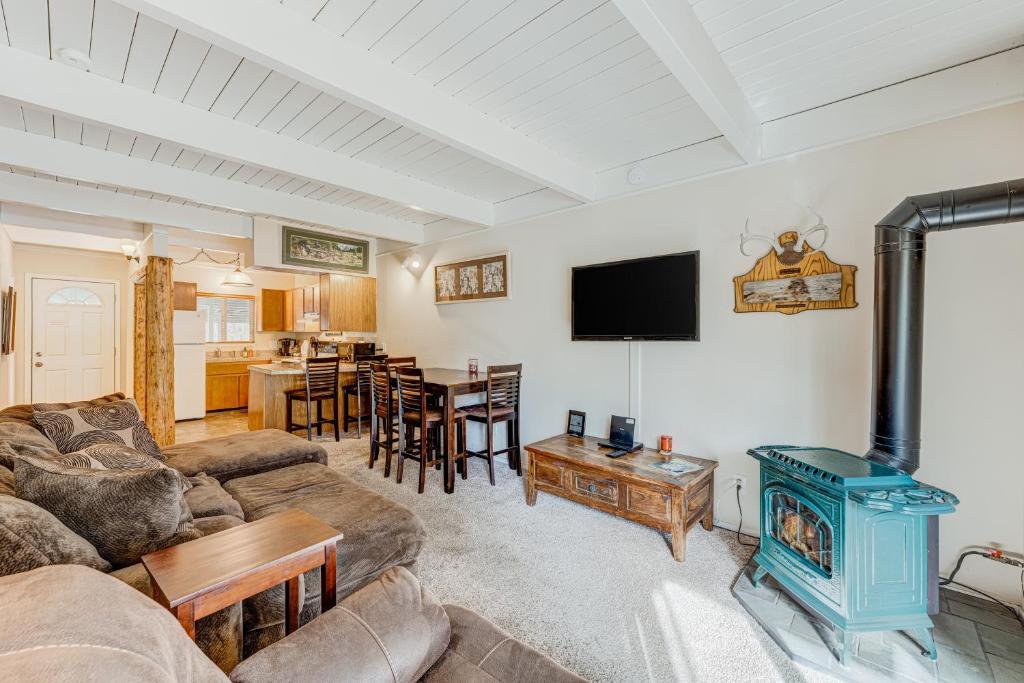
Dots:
{"x": 577, "y": 423}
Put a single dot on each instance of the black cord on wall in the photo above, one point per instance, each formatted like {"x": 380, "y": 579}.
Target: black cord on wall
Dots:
{"x": 739, "y": 536}
{"x": 950, "y": 580}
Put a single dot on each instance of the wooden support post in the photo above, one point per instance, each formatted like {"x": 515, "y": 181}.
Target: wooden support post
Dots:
{"x": 154, "y": 347}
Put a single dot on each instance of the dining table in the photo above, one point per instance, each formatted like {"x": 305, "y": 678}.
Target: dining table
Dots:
{"x": 448, "y": 383}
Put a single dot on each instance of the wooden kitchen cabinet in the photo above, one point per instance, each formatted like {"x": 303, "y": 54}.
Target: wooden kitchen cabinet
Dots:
{"x": 348, "y": 303}
{"x": 273, "y": 310}
{"x": 227, "y": 385}
{"x": 185, "y": 296}
{"x": 311, "y": 299}
{"x": 298, "y": 309}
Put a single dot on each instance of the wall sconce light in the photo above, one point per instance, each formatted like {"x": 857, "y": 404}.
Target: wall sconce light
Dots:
{"x": 130, "y": 251}
{"x": 413, "y": 263}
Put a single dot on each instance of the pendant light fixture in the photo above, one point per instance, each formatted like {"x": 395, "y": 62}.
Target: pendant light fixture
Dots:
{"x": 237, "y": 277}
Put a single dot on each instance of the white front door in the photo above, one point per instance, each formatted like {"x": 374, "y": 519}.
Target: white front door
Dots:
{"x": 73, "y": 333}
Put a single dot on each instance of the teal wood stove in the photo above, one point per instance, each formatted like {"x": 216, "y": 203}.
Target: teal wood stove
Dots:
{"x": 848, "y": 538}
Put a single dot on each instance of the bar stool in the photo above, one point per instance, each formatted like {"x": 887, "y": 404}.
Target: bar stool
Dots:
{"x": 321, "y": 385}
{"x": 383, "y": 412}
{"x": 360, "y": 389}
{"x": 414, "y": 414}
{"x": 503, "y": 384}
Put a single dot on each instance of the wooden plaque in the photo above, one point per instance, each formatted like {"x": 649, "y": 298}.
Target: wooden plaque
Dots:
{"x": 813, "y": 282}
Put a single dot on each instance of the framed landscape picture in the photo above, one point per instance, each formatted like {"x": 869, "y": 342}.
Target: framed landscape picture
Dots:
{"x": 323, "y": 250}
{"x": 479, "y": 279}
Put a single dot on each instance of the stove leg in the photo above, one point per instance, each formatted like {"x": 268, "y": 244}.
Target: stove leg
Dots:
{"x": 759, "y": 575}
{"x": 845, "y": 640}
{"x": 925, "y": 636}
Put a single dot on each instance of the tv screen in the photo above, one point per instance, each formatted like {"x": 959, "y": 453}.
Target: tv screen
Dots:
{"x": 655, "y": 298}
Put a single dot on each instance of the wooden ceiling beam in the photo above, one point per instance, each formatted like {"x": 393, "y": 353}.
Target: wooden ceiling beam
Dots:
{"x": 65, "y": 90}
{"x": 676, "y": 35}
{"x": 278, "y": 38}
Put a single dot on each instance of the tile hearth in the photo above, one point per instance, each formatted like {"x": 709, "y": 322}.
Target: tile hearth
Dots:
{"x": 977, "y": 639}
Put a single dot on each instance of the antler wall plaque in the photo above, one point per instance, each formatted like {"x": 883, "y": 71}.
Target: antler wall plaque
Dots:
{"x": 793, "y": 276}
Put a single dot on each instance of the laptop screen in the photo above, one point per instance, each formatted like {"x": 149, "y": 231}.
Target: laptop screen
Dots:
{"x": 622, "y": 430}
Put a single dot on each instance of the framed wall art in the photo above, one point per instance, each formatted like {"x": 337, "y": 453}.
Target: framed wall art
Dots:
{"x": 478, "y": 279}
{"x": 323, "y": 250}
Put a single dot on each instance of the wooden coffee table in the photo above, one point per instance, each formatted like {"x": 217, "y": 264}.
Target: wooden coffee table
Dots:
{"x": 578, "y": 469}
{"x": 200, "y": 577}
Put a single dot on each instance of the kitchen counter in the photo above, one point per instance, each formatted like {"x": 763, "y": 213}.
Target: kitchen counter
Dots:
{"x": 268, "y": 383}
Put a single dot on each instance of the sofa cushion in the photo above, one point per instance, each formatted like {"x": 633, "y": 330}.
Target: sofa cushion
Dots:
{"x": 243, "y": 454}
{"x": 207, "y": 498}
{"x": 22, "y": 438}
{"x": 391, "y": 630}
{"x": 218, "y": 635}
{"x": 31, "y": 537}
{"x": 379, "y": 533}
{"x": 70, "y": 623}
{"x": 6, "y": 479}
{"x": 482, "y": 652}
{"x": 216, "y": 524}
{"x": 75, "y": 428}
{"x": 125, "y": 513}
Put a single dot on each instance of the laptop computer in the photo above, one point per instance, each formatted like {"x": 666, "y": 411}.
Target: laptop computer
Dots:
{"x": 621, "y": 434}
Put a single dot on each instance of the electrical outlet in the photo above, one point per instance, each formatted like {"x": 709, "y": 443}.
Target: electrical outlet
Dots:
{"x": 739, "y": 481}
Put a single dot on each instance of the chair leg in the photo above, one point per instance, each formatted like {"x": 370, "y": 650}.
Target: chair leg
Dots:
{"x": 359, "y": 413}
{"x": 288, "y": 414}
{"x": 490, "y": 451}
{"x": 390, "y": 443}
{"x": 401, "y": 456}
{"x": 344, "y": 410}
{"x": 508, "y": 444}
{"x": 519, "y": 452}
{"x": 337, "y": 434}
{"x": 424, "y": 450}
{"x": 374, "y": 437}
{"x": 309, "y": 418}
{"x": 462, "y": 449}
{"x": 319, "y": 418}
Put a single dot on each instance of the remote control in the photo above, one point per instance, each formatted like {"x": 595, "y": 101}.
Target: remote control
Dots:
{"x": 616, "y": 454}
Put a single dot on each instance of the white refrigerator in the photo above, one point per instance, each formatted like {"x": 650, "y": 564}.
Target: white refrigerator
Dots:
{"x": 189, "y": 365}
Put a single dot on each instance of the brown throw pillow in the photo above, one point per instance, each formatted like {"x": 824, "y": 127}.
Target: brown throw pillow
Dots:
{"x": 117, "y": 422}
{"x": 121, "y": 501}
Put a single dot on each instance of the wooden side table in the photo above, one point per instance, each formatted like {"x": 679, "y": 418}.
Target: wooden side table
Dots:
{"x": 200, "y": 577}
{"x": 629, "y": 487}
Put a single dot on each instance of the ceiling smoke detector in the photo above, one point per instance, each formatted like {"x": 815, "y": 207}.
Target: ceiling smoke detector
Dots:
{"x": 73, "y": 57}
{"x": 636, "y": 175}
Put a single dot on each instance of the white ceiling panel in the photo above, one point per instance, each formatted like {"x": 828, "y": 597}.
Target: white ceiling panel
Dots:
{"x": 112, "y": 30}
{"x": 149, "y": 47}
{"x": 213, "y": 77}
{"x": 70, "y": 24}
{"x": 181, "y": 65}
{"x": 28, "y": 26}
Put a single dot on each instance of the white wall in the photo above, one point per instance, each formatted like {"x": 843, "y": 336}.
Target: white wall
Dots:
{"x": 9, "y": 362}
{"x": 769, "y": 378}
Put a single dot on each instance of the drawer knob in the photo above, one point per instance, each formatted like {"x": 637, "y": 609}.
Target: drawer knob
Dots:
{"x": 591, "y": 488}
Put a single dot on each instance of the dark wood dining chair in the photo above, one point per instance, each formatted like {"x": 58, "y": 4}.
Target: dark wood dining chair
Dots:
{"x": 503, "y": 385}
{"x": 360, "y": 388}
{"x": 413, "y": 415}
{"x": 383, "y": 413}
{"x": 321, "y": 385}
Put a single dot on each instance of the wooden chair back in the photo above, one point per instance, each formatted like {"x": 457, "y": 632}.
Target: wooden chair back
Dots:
{"x": 380, "y": 389}
{"x": 363, "y": 371}
{"x": 321, "y": 377}
{"x": 503, "y": 384}
{"x": 411, "y": 395}
{"x": 402, "y": 362}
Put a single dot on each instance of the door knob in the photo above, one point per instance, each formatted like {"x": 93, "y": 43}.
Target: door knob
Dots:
{"x": 38, "y": 364}
{"x": 39, "y": 353}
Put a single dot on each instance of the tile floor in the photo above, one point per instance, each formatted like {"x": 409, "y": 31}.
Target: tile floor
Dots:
{"x": 221, "y": 423}
{"x": 978, "y": 640}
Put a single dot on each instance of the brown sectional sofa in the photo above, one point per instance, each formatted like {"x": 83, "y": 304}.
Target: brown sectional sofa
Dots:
{"x": 72, "y": 622}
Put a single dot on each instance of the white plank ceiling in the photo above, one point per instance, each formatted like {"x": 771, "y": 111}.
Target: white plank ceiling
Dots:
{"x": 572, "y": 75}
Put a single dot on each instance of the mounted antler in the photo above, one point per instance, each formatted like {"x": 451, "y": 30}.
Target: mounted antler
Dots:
{"x": 747, "y": 236}
{"x": 804, "y": 234}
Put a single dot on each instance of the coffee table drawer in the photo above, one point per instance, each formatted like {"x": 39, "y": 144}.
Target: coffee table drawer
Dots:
{"x": 548, "y": 473}
{"x": 649, "y": 502}
{"x": 599, "y": 488}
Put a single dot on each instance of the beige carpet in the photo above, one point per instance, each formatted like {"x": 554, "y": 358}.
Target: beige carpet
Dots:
{"x": 600, "y": 595}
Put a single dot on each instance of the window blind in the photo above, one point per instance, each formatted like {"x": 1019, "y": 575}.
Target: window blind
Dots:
{"x": 228, "y": 319}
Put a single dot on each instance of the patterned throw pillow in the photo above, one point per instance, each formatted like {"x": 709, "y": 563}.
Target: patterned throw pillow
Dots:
{"x": 123, "y": 502}
{"x": 118, "y": 422}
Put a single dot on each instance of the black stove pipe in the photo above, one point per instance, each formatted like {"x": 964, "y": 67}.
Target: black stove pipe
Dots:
{"x": 899, "y": 305}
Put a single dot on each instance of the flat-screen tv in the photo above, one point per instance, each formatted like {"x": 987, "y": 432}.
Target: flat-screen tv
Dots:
{"x": 655, "y": 298}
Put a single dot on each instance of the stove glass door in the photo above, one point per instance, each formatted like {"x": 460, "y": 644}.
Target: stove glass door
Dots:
{"x": 799, "y": 527}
